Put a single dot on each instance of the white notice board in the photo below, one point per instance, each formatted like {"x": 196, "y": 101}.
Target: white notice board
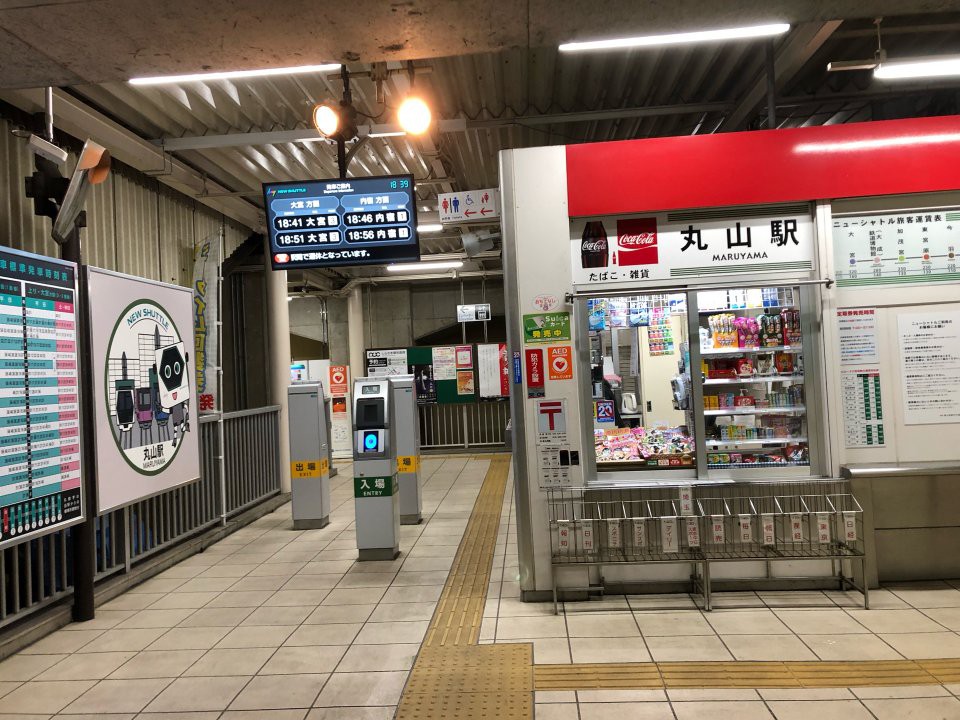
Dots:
{"x": 930, "y": 367}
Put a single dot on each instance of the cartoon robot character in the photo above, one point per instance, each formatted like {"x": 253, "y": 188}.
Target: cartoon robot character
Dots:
{"x": 124, "y": 404}
{"x": 173, "y": 384}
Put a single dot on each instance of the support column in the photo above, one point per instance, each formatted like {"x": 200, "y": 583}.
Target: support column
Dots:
{"x": 278, "y": 332}
{"x": 355, "y": 332}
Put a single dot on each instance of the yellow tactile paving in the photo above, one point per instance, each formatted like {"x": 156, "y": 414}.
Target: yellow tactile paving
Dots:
{"x": 454, "y": 677}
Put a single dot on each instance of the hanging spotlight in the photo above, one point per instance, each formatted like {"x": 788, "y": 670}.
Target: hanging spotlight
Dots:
{"x": 326, "y": 120}
{"x": 414, "y": 116}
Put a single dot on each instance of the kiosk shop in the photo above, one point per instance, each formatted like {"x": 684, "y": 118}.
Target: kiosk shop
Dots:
{"x": 734, "y": 316}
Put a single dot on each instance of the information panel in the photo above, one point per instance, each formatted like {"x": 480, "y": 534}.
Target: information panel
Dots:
{"x": 893, "y": 248}
{"x": 40, "y": 488}
{"x": 355, "y": 221}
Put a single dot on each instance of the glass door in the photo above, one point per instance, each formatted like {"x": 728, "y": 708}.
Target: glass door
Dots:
{"x": 752, "y": 364}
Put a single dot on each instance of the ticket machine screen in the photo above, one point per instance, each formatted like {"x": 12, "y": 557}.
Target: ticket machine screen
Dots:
{"x": 371, "y": 441}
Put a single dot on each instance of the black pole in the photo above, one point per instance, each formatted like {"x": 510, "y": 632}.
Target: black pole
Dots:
{"x": 345, "y": 105}
{"x": 342, "y": 157}
{"x": 771, "y": 87}
{"x": 83, "y": 536}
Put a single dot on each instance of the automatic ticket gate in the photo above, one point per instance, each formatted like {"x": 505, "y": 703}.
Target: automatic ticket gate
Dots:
{"x": 375, "y": 490}
{"x": 309, "y": 456}
{"x": 406, "y": 435}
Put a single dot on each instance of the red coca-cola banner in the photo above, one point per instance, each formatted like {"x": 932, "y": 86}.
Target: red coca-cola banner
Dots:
{"x": 637, "y": 241}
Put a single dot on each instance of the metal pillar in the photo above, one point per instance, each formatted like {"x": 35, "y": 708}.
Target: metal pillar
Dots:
{"x": 278, "y": 330}
{"x": 83, "y": 536}
{"x": 355, "y": 333}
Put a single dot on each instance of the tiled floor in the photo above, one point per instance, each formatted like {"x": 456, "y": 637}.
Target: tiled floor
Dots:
{"x": 276, "y": 624}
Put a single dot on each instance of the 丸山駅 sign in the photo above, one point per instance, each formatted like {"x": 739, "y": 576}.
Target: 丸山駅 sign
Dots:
{"x": 638, "y": 249}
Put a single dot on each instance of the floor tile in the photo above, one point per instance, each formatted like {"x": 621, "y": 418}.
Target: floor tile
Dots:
{"x": 927, "y": 595}
{"x": 820, "y": 622}
{"x": 531, "y": 627}
{"x": 782, "y": 694}
{"x": 104, "y": 620}
{"x": 369, "y": 658}
{"x": 132, "y": 601}
{"x": 366, "y": 579}
{"x": 328, "y": 614}
{"x": 312, "y": 582}
{"x": 118, "y": 696}
{"x": 746, "y": 622}
{"x": 120, "y": 640}
{"x": 619, "y": 711}
{"x": 609, "y": 650}
{"x": 200, "y": 584}
{"x": 263, "y": 636}
{"x": 297, "y": 597}
{"x": 185, "y": 600}
{"x": 713, "y": 710}
{"x": 767, "y": 647}
{"x": 241, "y": 598}
{"x": 850, "y": 647}
{"x": 687, "y": 648}
{"x": 314, "y": 659}
{"x": 796, "y": 598}
{"x": 358, "y": 689}
{"x": 278, "y": 615}
{"x": 712, "y": 694}
{"x": 899, "y": 691}
{"x": 194, "y": 638}
{"x": 399, "y": 612}
{"x": 556, "y": 711}
{"x": 151, "y": 618}
{"x": 820, "y": 709}
{"x": 612, "y": 625}
{"x": 157, "y": 664}
{"x": 92, "y": 666}
{"x": 279, "y": 691}
{"x": 258, "y": 583}
{"x": 392, "y": 632}
{"x": 428, "y": 577}
{"x": 921, "y": 646}
{"x": 895, "y": 621}
{"x": 684, "y": 622}
{"x": 941, "y": 708}
{"x": 198, "y": 693}
{"x": 740, "y": 600}
{"x": 356, "y": 596}
{"x": 217, "y": 617}
{"x": 335, "y": 634}
{"x": 412, "y": 594}
{"x": 264, "y": 714}
{"x": 353, "y": 713}
{"x": 44, "y": 697}
{"x": 62, "y": 641}
{"x": 224, "y": 662}
{"x": 512, "y": 607}
{"x": 948, "y": 617}
{"x": 549, "y": 651}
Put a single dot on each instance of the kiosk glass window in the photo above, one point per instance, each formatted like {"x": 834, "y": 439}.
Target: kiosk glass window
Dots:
{"x": 640, "y": 383}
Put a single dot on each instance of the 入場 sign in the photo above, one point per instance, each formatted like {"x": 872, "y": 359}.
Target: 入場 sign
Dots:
{"x": 651, "y": 248}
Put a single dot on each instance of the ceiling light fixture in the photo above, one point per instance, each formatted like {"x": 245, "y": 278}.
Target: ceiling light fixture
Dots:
{"x": 430, "y": 228}
{"x": 234, "y": 74}
{"x": 326, "y": 120}
{"x": 703, "y": 36}
{"x": 921, "y": 67}
{"x": 414, "y": 116}
{"x": 426, "y": 266}
{"x": 879, "y": 143}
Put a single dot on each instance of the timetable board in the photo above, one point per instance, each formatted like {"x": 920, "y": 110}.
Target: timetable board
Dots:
{"x": 40, "y": 479}
{"x": 918, "y": 246}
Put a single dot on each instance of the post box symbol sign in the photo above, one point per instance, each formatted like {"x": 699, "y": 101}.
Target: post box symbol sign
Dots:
{"x": 560, "y": 366}
{"x": 550, "y": 416}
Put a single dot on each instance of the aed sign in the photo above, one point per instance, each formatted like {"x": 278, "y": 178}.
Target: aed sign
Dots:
{"x": 560, "y": 365}
{"x": 650, "y": 248}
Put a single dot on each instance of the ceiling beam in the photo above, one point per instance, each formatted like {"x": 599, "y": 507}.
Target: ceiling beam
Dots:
{"x": 792, "y": 54}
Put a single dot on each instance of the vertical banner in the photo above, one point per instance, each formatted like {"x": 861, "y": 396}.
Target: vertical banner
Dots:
{"x": 493, "y": 370}
{"x": 535, "y": 385}
{"x": 206, "y": 315}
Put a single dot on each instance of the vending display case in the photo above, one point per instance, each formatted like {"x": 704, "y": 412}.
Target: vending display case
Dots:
{"x": 709, "y": 385}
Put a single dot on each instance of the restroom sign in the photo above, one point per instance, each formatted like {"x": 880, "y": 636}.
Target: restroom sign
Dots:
{"x": 551, "y": 422}
{"x": 560, "y": 366}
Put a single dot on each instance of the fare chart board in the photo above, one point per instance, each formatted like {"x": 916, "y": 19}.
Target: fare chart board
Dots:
{"x": 912, "y": 247}
{"x": 40, "y": 488}
{"x": 353, "y": 221}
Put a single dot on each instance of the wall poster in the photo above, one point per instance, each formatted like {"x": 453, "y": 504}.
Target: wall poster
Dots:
{"x": 445, "y": 363}
{"x": 144, "y": 387}
{"x": 384, "y": 363}
{"x": 40, "y": 474}
{"x": 493, "y": 370}
{"x": 860, "y": 378}
{"x": 930, "y": 367}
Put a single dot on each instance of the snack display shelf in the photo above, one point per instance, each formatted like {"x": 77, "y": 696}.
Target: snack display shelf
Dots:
{"x": 747, "y": 410}
{"x": 759, "y": 441}
{"x": 751, "y": 350}
{"x": 804, "y": 463}
{"x": 749, "y": 309}
{"x": 753, "y": 379}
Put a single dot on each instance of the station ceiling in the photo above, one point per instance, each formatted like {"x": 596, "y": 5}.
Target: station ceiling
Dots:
{"x": 496, "y": 72}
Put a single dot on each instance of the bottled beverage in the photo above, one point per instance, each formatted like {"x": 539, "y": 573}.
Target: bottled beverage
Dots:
{"x": 594, "y": 249}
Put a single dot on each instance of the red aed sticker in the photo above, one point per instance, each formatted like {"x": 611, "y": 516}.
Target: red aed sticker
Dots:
{"x": 637, "y": 242}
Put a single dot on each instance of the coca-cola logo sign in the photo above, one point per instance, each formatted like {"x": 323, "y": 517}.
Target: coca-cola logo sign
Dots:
{"x": 593, "y": 245}
{"x": 637, "y": 242}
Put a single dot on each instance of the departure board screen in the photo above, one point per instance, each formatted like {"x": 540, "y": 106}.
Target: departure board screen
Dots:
{"x": 353, "y": 221}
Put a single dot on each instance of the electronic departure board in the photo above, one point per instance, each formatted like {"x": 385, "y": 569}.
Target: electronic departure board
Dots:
{"x": 354, "y": 221}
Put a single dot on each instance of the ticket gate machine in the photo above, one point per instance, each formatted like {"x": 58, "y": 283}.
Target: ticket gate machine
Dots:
{"x": 406, "y": 436}
{"x": 375, "y": 490}
{"x": 309, "y": 456}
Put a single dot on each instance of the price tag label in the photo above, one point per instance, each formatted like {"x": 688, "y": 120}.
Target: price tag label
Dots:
{"x": 693, "y": 532}
{"x": 586, "y": 536}
{"x": 717, "y": 530}
{"x": 796, "y": 527}
{"x": 614, "y": 539}
{"x": 639, "y": 533}
{"x": 669, "y": 541}
{"x": 850, "y": 526}
{"x": 563, "y": 537}
{"x": 823, "y": 528}
{"x": 686, "y": 501}
{"x": 746, "y": 528}
{"x": 769, "y": 534}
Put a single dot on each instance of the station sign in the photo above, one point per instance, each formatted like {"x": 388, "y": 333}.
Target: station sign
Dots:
{"x": 469, "y": 207}
{"x": 473, "y": 313}
{"x": 330, "y": 223}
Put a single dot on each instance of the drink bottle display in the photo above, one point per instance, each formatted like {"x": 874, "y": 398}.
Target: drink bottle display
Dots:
{"x": 594, "y": 249}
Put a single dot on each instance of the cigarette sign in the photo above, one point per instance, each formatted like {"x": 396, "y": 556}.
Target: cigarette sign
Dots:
{"x": 561, "y": 368}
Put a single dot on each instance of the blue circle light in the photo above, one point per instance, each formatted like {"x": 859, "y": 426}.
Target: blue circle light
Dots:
{"x": 370, "y": 441}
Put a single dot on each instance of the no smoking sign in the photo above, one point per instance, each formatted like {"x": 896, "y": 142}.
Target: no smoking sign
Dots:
{"x": 560, "y": 365}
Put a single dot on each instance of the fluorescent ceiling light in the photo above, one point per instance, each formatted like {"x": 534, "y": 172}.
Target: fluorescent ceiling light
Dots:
{"x": 879, "y": 143}
{"x": 388, "y": 133}
{"x": 234, "y": 74}
{"x": 430, "y": 227}
{"x": 426, "y": 266}
{"x": 754, "y": 31}
{"x": 930, "y": 67}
